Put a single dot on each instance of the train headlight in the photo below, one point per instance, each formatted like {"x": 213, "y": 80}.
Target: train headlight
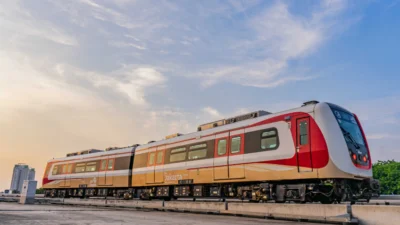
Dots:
{"x": 354, "y": 156}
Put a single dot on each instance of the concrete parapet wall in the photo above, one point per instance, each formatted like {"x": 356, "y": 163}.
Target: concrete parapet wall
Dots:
{"x": 376, "y": 214}
{"x": 199, "y": 206}
{"x": 94, "y": 202}
{"x": 135, "y": 204}
{"x": 339, "y": 213}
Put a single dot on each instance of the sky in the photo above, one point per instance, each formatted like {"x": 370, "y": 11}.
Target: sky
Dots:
{"x": 84, "y": 74}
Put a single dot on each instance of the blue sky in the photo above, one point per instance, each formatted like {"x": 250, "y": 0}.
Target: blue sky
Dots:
{"x": 85, "y": 74}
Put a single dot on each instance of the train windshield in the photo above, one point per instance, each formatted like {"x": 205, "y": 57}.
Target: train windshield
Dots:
{"x": 350, "y": 128}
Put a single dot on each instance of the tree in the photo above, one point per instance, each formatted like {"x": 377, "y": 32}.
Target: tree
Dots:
{"x": 40, "y": 191}
{"x": 388, "y": 174}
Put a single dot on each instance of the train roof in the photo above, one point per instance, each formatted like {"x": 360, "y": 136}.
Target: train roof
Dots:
{"x": 130, "y": 149}
{"x": 307, "y": 107}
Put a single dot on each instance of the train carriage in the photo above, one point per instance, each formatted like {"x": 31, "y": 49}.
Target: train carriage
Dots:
{"x": 317, "y": 152}
{"x": 90, "y": 173}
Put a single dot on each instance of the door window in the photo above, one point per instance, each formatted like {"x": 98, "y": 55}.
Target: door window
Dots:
{"x": 222, "y": 147}
{"x": 64, "y": 169}
{"x": 303, "y": 126}
{"x": 235, "y": 145}
{"x": 160, "y": 157}
{"x": 152, "y": 157}
{"x": 103, "y": 165}
{"x": 110, "y": 164}
{"x": 69, "y": 168}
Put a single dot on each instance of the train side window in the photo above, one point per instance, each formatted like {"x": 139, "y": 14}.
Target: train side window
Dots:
{"x": 91, "y": 167}
{"x": 55, "y": 170}
{"x": 235, "y": 145}
{"x": 103, "y": 165}
{"x": 152, "y": 157}
{"x": 160, "y": 156}
{"x": 222, "y": 147}
{"x": 303, "y": 133}
{"x": 269, "y": 139}
{"x": 80, "y": 168}
{"x": 69, "y": 170}
{"x": 110, "y": 164}
{"x": 178, "y": 155}
{"x": 197, "y": 151}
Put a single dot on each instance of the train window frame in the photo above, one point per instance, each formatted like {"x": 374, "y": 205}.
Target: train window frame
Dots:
{"x": 269, "y": 136}
{"x": 151, "y": 161}
{"x": 178, "y": 151}
{"x": 80, "y": 165}
{"x": 226, "y": 146}
{"x": 90, "y": 165}
{"x": 240, "y": 144}
{"x": 108, "y": 164}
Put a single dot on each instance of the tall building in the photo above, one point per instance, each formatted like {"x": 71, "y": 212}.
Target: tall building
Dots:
{"x": 21, "y": 172}
{"x": 31, "y": 174}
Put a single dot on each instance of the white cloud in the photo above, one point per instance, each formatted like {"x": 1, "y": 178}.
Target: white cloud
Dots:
{"x": 20, "y": 23}
{"x": 279, "y": 36}
{"x": 121, "y": 44}
{"x": 212, "y": 112}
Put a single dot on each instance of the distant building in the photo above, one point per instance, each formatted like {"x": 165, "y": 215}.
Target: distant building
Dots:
{"x": 31, "y": 174}
{"x": 21, "y": 172}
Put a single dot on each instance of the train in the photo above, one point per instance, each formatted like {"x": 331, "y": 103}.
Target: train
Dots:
{"x": 317, "y": 152}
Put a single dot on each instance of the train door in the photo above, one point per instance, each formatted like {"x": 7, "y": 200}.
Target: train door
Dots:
{"x": 151, "y": 163}
{"x": 159, "y": 165}
{"x": 236, "y": 154}
{"x": 101, "y": 178}
{"x": 105, "y": 177}
{"x": 68, "y": 175}
{"x": 110, "y": 168}
{"x": 221, "y": 169}
{"x": 63, "y": 171}
{"x": 303, "y": 146}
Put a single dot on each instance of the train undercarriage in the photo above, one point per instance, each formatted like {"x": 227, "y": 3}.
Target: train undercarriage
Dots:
{"x": 323, "y": 191}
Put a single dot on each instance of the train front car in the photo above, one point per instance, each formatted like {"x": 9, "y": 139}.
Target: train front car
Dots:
{"x": 349, "y": 171}
{"x": 90, "y": 173}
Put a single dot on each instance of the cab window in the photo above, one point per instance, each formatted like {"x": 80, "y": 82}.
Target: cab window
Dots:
{"x": 55, "y": 170}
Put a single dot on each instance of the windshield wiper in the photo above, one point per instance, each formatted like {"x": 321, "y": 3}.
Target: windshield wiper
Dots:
{"x": 350, "y": 137}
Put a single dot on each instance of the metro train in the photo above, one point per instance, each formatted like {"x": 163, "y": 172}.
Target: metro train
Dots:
{"x": 317, "y": 152}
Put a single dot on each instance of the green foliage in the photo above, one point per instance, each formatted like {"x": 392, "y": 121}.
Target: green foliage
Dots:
{"x": 388, "y": 174}
{"x": 40, "y": 191}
